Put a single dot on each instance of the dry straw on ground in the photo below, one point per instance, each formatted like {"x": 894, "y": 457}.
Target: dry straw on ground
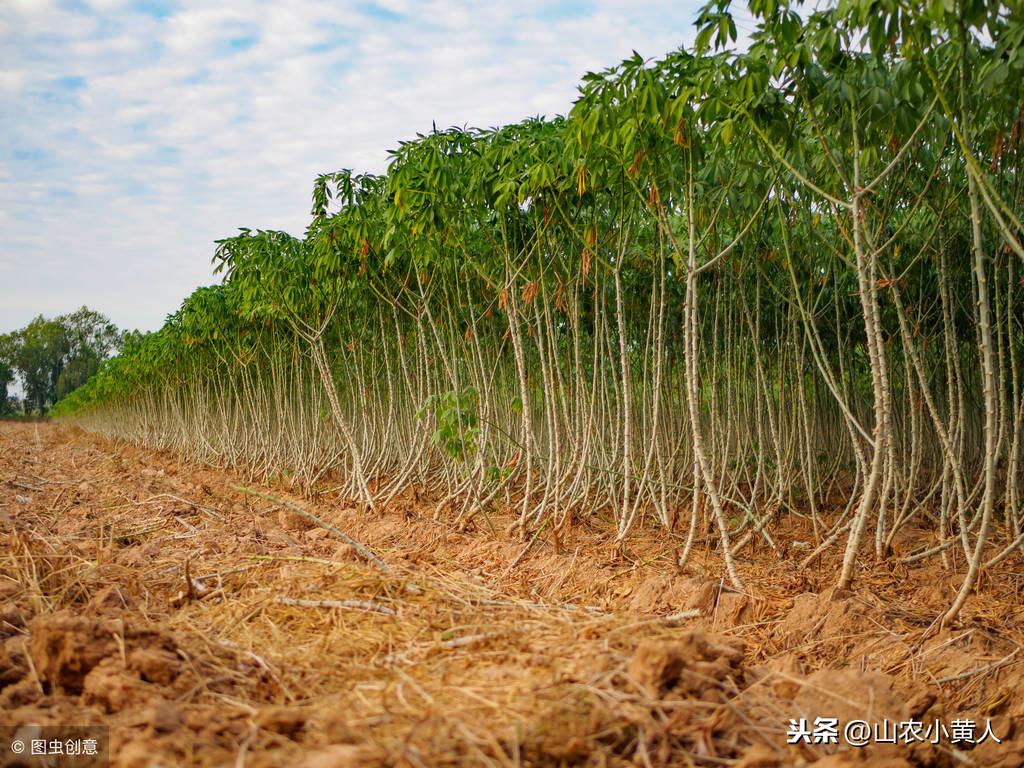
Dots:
{"x": 207, "y": 626}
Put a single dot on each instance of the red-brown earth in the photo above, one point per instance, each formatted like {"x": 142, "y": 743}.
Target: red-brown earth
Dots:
{"x": 149, "y": 595}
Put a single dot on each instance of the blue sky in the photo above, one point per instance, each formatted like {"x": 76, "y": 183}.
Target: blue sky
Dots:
{"x": 133, "y": 133}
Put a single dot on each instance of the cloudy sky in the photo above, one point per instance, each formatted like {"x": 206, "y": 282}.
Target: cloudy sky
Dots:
{"x": 135, "y": 132}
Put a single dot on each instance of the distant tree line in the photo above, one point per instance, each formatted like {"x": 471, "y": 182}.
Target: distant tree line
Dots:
{"x": 51, "y": 358}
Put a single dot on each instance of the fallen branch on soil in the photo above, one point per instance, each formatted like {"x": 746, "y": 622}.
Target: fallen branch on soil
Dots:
{"x": 56, "y": 501}
{"x": 979, "y": 670}
{"x": 361, "y": 549}
{"x": 194, "y": 588}
{"x": 445, "y": 645}
{"x": 356, "y": 605}
{"x": 195, "y": 505}
{"x": 528, "y": 547}
{"x": 462, "y": 642}
{"x": 296, "y": 559}
{"x": 544, "y": 607}
{"x": 672, "y": 618}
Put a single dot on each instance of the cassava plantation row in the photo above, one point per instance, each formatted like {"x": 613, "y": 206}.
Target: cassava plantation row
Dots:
{"x": 729, "y": 285}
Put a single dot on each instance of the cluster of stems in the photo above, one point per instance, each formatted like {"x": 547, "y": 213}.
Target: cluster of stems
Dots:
{"x": 728, "y": 291}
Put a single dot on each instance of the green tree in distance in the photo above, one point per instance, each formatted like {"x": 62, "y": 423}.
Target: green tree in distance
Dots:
{"x": 6, "y": 374}
{"x": 91, "y": 338}
{"x": 53, "y": 357}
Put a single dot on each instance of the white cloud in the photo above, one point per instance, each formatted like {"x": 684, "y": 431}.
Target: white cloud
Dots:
{"x": 130, "y": 138}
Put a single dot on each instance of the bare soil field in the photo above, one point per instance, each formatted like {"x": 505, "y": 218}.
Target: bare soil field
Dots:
{"x": 208, "y": 626}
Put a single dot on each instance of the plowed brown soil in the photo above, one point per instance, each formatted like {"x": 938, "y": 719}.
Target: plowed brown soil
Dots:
{"x": 151, "y": 596}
